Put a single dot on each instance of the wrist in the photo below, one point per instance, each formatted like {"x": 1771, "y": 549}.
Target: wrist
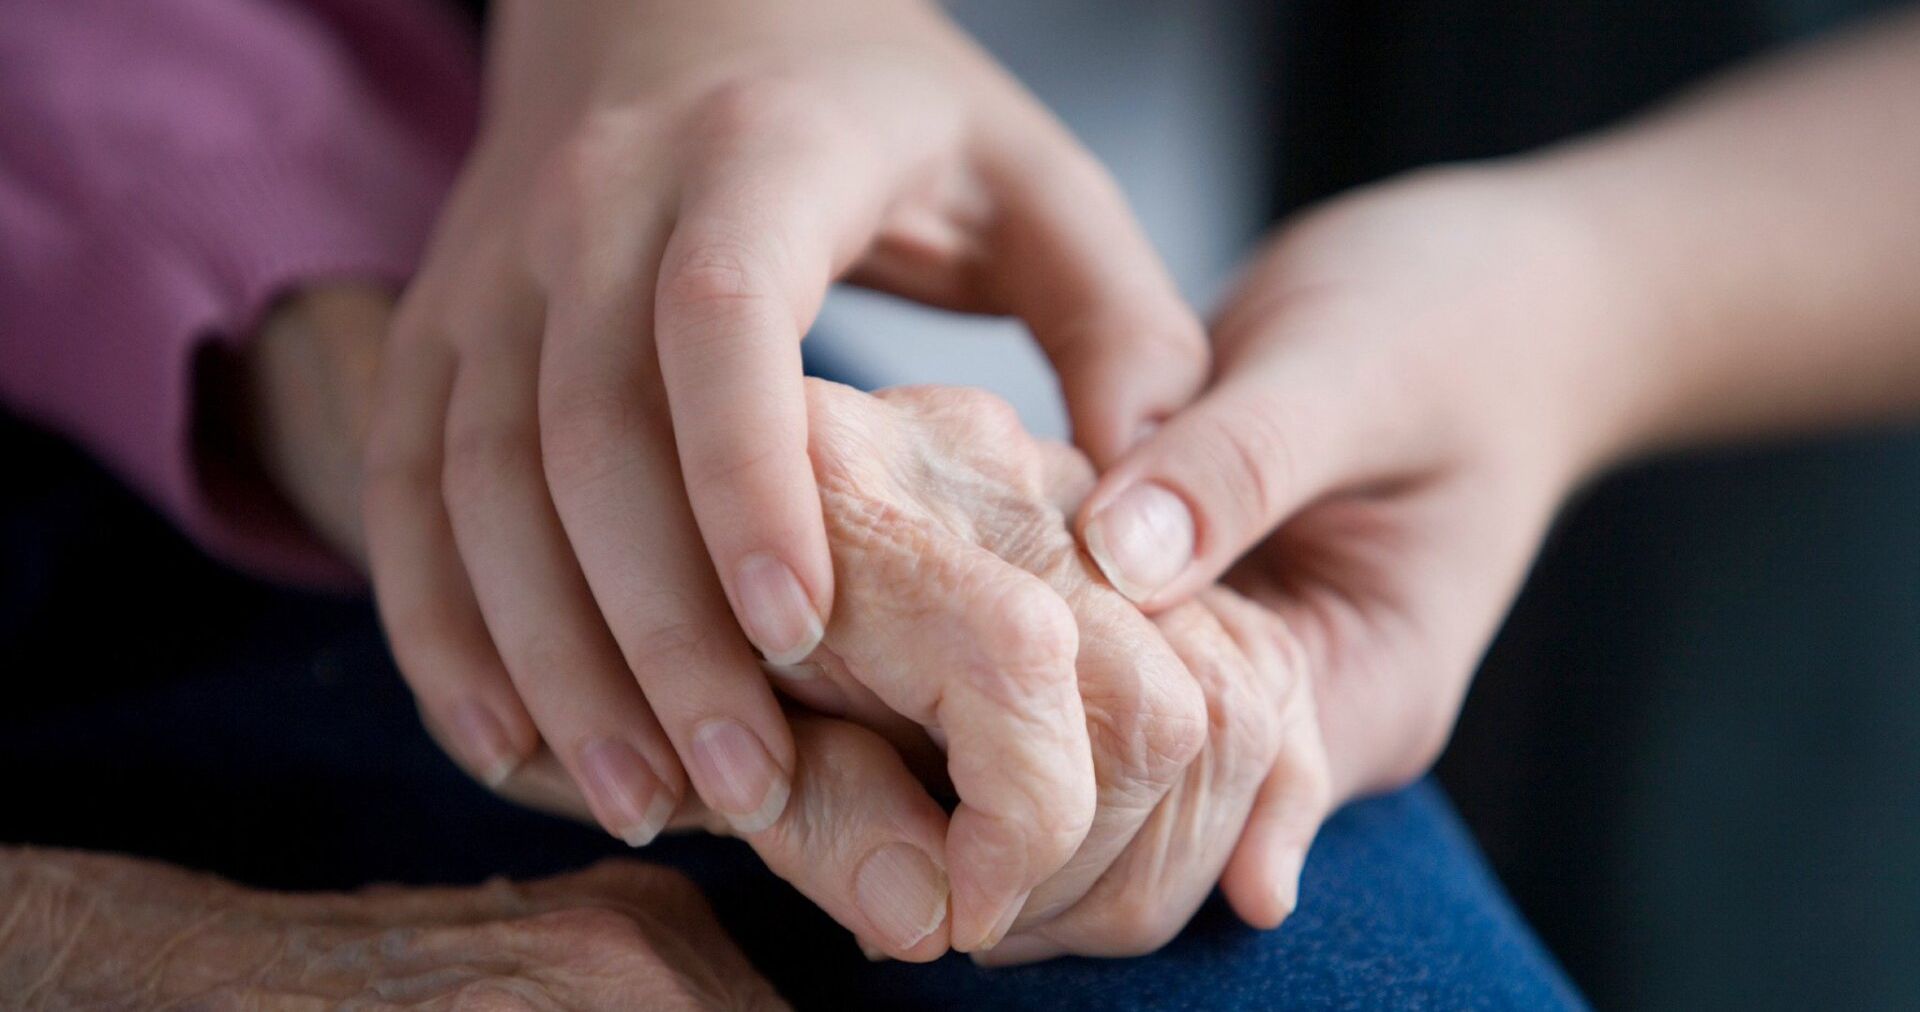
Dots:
{"x": 307, "y": 383}
{"x": 1606, "y": 375}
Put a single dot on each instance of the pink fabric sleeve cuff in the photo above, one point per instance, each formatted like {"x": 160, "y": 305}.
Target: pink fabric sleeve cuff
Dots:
{"x": 270, "y": 146}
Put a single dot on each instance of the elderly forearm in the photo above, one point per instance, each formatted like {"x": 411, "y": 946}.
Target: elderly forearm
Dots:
{"x": 1766, "y": 235}
{"x": 68, "y": 934}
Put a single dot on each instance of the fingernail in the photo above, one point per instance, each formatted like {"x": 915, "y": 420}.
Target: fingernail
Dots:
{"x": 774, "y": 609}
{"x": 629, "y": 798}
{"x": 489, "y": 750}
{"x": 802, "y": 672}
{"x": 738, "y": 776}
{"x": 902, "y": 892}
{"x": 1142, "y": 540}
{"x": 873, "y": 955}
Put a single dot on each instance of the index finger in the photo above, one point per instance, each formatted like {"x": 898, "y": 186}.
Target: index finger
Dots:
{"x": 758, "y": 239}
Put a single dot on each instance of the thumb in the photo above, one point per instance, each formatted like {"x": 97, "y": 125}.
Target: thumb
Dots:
{"x": 1217, "y": 479}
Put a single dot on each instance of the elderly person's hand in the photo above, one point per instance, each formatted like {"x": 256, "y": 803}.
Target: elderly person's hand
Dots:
{"x": 967, "y": 609}
{"x": 587, "y": 469}
{"x": 1071, "y": 721}
{"x": 861, "y": 835}
{"x": 96, "y": 931}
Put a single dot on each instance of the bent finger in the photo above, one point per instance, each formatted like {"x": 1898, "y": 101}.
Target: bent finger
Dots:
{"x": 863, "y": 839}
{"x": 990, "y": 668}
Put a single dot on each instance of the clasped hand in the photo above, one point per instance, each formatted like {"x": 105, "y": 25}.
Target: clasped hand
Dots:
{"x": 1108, "y": 767}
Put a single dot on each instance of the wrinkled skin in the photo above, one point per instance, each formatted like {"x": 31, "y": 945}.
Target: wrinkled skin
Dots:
{"x": 1105, "y": 763}
{"x": 90, "y": 931}
{"x": 966, "y": 598}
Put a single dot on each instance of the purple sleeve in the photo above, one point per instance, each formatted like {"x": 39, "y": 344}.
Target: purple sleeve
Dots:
{"x": 167, "y": 169}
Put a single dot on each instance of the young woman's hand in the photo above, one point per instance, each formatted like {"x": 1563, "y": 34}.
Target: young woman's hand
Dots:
{"x": 587, "y": 467}
{"x": 1410, "y": 380}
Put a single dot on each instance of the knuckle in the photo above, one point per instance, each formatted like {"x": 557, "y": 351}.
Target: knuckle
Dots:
{"x": 768, "y": 101}
{"x": 1056, "y": 826}
{"x": 583, "y": 425}
{"x": 1173, "y": 732}
{"x": 394, "y": 467}
{"x": 584, "y": 198}
{"x": 1249, "y": 452}
{"x": 715, "y": 274}
{"x": 478, "y": 454}
{"x": 1066, "y": 820}
{"x": 395, "y": 478}
{"x": 1256, "y": 684}
{"x": 665, "y": 637}
{"x": 1150, "y": 734}
{"x": 1028, "y": 635}
{"x": 1032, "y": 821}
{"x": 589, "y": 165}
{"x": 1251, "y": 727}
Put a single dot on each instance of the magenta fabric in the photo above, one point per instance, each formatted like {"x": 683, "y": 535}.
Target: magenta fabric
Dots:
{"x": 170, "y": 167}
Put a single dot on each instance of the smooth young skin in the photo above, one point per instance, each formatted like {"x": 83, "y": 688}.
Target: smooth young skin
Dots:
{"x": 95, "y": 931}
{"x": 597, "y": 371}
{"x": 1413, "y": 378}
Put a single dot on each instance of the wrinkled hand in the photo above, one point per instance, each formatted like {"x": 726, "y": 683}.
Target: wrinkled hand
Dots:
{"x": 967, "y": 609}
{"x": 1073, "y": 723}
{"x": 1401, "y": 406}
{"x": 586, "y": 471}
{"x": 857, "y": 816}
{"x": 86, "y": 930}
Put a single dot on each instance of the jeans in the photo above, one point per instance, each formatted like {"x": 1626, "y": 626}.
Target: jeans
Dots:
{"x": 159, "y": 706}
